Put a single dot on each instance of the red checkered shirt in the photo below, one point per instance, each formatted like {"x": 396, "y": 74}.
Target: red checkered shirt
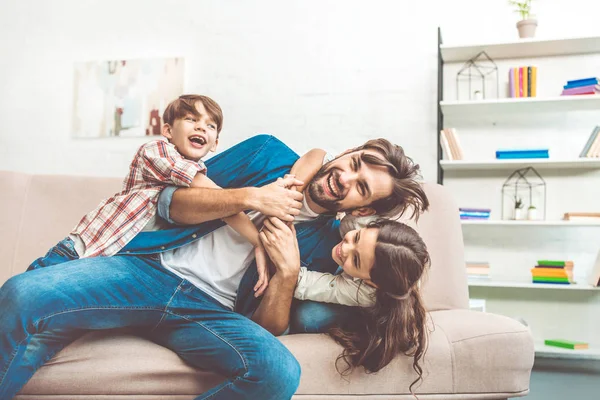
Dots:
{"x": 108, "y": 228}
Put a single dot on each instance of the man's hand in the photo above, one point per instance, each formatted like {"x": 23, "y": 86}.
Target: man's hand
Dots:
{"x": 280, "y": 243}
{"x": 278, "y": 199}
{"x": 263, "y": 271}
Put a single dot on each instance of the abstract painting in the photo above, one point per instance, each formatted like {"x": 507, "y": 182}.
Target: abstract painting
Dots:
{"x": 124, "y": 98}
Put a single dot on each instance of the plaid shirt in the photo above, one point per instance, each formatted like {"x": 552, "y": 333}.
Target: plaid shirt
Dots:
{"x": 108, "y": 228}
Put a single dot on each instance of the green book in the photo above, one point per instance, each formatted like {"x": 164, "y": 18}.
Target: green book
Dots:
{"x": 551, "y": 263}
{"x": 550, "y": 279}
{"x": 566, "y": 344}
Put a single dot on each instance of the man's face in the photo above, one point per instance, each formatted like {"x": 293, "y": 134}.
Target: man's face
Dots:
{"x": 348, "y": 183}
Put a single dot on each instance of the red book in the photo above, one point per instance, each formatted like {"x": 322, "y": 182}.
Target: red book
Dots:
{"x": 521, "y": 82}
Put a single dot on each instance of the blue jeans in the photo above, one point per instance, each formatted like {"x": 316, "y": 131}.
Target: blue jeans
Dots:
{"x": 64, "y": 251}
{"x": 43, "y": 310}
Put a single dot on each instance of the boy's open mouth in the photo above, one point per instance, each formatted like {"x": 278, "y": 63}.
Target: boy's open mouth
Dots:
{"x": 199, "y": 140}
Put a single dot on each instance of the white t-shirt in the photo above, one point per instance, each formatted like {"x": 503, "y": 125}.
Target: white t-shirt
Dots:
{"x": 217, "y": 262}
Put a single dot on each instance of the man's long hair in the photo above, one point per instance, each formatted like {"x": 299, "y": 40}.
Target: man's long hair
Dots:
{"x": 407, "y": 191}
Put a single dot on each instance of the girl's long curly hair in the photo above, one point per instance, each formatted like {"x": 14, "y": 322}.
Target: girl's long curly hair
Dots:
{"x": 397, "y": 322}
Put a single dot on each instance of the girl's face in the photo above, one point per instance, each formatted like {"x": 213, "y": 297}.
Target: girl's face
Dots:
{"x": 356, "y": 253}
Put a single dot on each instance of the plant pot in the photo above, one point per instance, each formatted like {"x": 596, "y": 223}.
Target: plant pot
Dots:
{"x": 527, "y": 27}
{"x": 518, "y": 214}
{"x": 532, "y": 214}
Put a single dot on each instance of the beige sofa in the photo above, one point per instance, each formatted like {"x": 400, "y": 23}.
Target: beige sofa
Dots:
{"x": 471, "y": 355}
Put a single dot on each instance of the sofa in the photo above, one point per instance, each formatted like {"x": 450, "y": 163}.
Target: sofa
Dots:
{"x": 471, "y": 355}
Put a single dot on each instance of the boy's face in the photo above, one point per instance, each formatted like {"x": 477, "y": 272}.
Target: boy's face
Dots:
{"x": 193, "y": 135}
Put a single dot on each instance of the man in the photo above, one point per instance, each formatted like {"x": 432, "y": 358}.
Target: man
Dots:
{"x": 45, "y": 309}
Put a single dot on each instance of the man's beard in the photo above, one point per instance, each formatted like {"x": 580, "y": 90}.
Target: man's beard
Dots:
{"x": 317, "y": 193}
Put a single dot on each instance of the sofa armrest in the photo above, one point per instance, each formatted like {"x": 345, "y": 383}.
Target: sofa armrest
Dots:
{"x": 489, "y": 344}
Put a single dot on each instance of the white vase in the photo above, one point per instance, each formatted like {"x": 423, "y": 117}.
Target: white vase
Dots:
{"x": 532, "y": 214}
{"x": 527, "y": 27}
{"x": 518, "y": 214}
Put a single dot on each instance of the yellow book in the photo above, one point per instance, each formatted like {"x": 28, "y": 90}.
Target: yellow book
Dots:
{"x": 555, "y": 272}
{"x": 533, "y": 81}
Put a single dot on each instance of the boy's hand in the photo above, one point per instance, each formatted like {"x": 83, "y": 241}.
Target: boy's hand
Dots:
{"x": 278, "y": 200}
{"x": 263, "y": 270}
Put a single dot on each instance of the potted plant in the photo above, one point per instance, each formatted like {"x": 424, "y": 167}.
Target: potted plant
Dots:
{"x": 518, "y": 214}
{"x": 527, "y": 24}
{"x": 532, "y": 213}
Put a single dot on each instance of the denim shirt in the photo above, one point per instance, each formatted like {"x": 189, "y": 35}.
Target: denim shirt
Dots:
{"x": 257, "y": 161}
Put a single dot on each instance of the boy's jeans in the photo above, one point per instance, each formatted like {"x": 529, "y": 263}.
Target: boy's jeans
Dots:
{"x": 43, "y": 310}
{"x": 64, "y": 251}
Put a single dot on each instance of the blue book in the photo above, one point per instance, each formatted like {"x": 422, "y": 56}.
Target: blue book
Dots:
{"x": 534, "y": 153}
{"x": 520, "y": 156}
{"x": 581, "y": 84}
{"x": 472, "y": 214}
{"x": 584, "y": 81}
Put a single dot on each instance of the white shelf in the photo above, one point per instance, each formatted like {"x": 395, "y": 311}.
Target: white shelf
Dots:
{"x": 538, "y": 163}
{"x": 531, "y": 223}
{"x": 523, "y": 48}
{"x": 529, "y": 285}
{"x": 470, "y": 108}
{"x": 543, "y": 351}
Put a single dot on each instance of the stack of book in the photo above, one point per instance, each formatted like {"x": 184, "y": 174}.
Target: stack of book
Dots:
{"x": 582, "y": 216}
{"x": 522, "y": 81}
{"x": 450, "y": 144}
{"x": 553, "y": 271}
{"x": 514, "y": 154}
{"x": 475, "y": 213}
{"x": 478, "y": 270}
{"x": 581, "y": 86}
{"x": 592, "y": 146}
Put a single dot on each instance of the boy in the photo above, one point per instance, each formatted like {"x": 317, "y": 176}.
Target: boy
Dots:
{"x": 192, "y": 124}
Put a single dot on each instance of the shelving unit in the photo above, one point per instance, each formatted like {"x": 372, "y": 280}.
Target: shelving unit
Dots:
{"x": 523, "y": 48}
{"x": 510, "y": 245}
{"x": 540, "y": 163}
{"x": 530, "y": 285}
{"x": 543, "y": 351}
{"x": 558, "y": 223}
{"x": 524, "y": 105}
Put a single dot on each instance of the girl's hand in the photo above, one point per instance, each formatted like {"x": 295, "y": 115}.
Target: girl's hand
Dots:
{"x": 280, "y": 243}
{"x": 263, "y": 271}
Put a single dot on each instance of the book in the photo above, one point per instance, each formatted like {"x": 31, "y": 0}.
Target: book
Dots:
{"x": 486, "y": 210}
{"x": 581, "y": 90}
{"x": 589, "y": 81}
{"x": 566, "y": 344}
{"x": 533, "y": 81}
{"x": 511, "y": 82}
{"x": 512, "y": 154}
{"x": 516, "y": 81}
{"x": 594, "y": 278}
{"x": 446, "y": 146}
{"x": 453, "y": 142}
{"x": 550, "y": 279}
{"x": 544, "y": 282}
{"x": 576, "y": 216}
{"x": 554, "y": 263}
{"x": 521, "y": 82}
{"x": 590, "y": 141}
{"x": 525, "y": 81}
{"x": 594, "y": 150}
{"x": 581, "y": 83}
{"x": 528, "y": 81}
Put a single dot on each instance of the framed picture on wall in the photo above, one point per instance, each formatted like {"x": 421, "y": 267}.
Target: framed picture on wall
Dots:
{"x": 124, "y": 98}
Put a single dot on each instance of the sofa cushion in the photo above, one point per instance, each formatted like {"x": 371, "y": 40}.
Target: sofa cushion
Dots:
{"x": 463, "y": 360}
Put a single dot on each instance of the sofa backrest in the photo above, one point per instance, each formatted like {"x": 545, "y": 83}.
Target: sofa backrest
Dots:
{"x": 40, "y": 210}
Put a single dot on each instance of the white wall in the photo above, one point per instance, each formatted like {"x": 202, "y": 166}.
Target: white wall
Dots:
{"x": 316, "y": 73}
